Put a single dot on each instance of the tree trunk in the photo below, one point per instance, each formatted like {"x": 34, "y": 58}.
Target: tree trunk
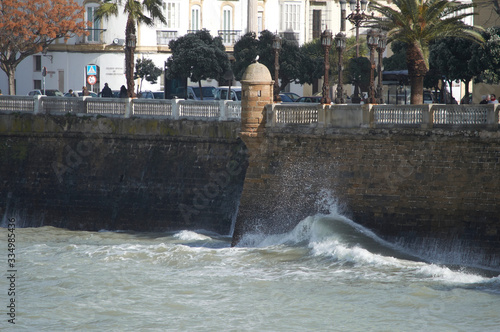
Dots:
{"x": 201, "y": 92}
{"x": 416, "y": 72}
{"x": 130, "y": 40}
{"x": 11, "y": 74}
{"x": 466, "y": 99}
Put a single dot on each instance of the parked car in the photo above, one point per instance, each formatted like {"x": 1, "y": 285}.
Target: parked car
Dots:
{"x": 428, "y": 97}
{"x": 222, "y": 93}
{"x": 312, "y": 99}
{"x": 48, "y": 92}
{"x": 291, "y": 95}
{"x": 80, "y": 94}
{"x": 159, "y": 94}
{"x": 208, "y": 92}
{"x": 285, "y": 98}
{"x": 146, "y": 95}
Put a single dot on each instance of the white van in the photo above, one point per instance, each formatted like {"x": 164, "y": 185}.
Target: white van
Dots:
{"x": 222, "y": 93}
{"x": 193, "y": 92}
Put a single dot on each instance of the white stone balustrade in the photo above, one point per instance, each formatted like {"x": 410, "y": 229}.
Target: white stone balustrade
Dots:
{"x": 123, "y": 107}
{"x": 381, "y": 116}
{"x": 278, "y": 115}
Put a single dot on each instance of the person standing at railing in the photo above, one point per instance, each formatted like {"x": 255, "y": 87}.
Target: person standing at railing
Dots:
{"x": 85, "y": 91}
{"x": 493, "y": 99}
{"x": 484, "y": 99}
{"x": 123, "y": 92}
{"x": 106, "y": 91}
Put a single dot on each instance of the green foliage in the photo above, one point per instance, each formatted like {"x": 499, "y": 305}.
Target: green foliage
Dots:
{"x": 248, "y": 47}
{"x": 397, "y": 61}
{"x": 312, "y": 67}
{"x": 451, "y": 57}
{"x": 489, "y": 57}
{"x": 419, "y": 22}
{"x": 146, "y": 69}
{"x": 359, "y": 72}
{"x": 197, "y": 56}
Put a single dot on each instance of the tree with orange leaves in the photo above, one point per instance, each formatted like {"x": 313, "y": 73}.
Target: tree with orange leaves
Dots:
{"x": 28, "y": 27}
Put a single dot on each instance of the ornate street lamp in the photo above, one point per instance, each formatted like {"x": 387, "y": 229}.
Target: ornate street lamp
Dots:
{"x": 340, "y": 45}
{"x": 372, "y": 41}
{"x": 326, "y": 42}
{"x": 276, "y": 48}
{"x": 356, "y": 18}
{"x": 382, "y": 43}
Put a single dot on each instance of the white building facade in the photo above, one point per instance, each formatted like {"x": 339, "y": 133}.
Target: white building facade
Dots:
{"x": 67, "y": 63}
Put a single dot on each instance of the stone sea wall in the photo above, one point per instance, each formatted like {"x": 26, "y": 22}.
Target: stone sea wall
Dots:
{"x": 431, "y": 191}
{"x": 93, "y": 173}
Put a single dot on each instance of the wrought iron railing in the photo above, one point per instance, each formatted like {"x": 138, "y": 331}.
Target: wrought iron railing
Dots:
{"x": 163, "y": 37}
{"x": 229, "y": 37}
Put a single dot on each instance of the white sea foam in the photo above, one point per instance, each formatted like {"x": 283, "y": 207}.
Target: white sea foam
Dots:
{"x": 191, "y": 236}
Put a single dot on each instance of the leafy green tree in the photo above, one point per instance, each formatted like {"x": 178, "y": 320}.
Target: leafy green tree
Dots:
{"x": 313, "y": 59}
{"x": 488, "y": 58}
{"x": 359, "y": 73}
{"x": 136, "y": 14}
{"x": 249, "y": 47}
{"x": 397, "y": 61}
{"x": 452, "y": 58}
{"x": 197, "y": 56}
{"x": 417, "y": 23}
{"x": 146, "y": 69}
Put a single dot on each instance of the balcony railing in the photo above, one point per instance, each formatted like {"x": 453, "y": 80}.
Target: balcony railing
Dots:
{"x": 163, "y": 37}
{"x": 290, "y": 35}
{"x": 229, "y": 37}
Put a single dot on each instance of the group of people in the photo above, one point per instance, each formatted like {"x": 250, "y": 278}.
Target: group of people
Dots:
{"x": 106, "y": 92}
{"x": 489, "y": 99}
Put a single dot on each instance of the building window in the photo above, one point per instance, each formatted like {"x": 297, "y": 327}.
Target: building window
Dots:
{"x": 290, "y": 16}
{"x": 37, "y": 63}
{"x": 171, "y": 11}
{"x": 94, "y": 28}
{"x": 260, "y": 19}
{"x": 37, "y": 84}
{"x": 316, "y": 24}
{"x": 227, "y": 25}
{"x": 195, "y": 18}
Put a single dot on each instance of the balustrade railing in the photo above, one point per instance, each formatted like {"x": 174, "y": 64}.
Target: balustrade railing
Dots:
{"x": 278, "y": 115}
{"x": 123, "y": 107}
{"x": 381, "y": 116}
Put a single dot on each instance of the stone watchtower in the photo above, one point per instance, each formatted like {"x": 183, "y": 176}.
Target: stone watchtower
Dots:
{"x": 257, "y": 92}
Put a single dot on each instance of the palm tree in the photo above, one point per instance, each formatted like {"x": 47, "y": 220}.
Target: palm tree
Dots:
{"x": 135, "y": 11}
{"x": 417, "y": 23}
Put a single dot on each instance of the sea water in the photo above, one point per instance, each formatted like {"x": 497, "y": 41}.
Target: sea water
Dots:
{"x": 327, "y": 274}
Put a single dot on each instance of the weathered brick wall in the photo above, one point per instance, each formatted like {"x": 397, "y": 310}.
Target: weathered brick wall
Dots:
{"x": 90, "y": 173}
{"x": 413, "y": 187}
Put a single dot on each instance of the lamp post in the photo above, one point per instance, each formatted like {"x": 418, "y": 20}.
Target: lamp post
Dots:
{"x": 372, "y": 41}
{"x": 382, "y": 43}
{"x": 276, "y": 48}
{"x": 326, "y": 42}
{"x": 356, "y": 18}
{"x": 340, "y": 44}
